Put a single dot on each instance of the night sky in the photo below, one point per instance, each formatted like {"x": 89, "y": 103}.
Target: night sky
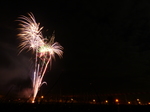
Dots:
{"x": 106, "y": 46}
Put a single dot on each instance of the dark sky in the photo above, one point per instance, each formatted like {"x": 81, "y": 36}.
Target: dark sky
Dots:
{"x": 106, "y": 46}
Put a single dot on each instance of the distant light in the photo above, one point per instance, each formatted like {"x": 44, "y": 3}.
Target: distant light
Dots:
{"x": 106, "y": 101}
{"x": 129, "y": 102}
{"x": 138, "y": 99}
{"x": 71, "y": 99}
{"x": 139, "y": 102}
{"x": 117, "y": 100}
{"x": 32, "y": 101}
{"x": 94, "y": 100}
{"x": 60, "y": 100}
{"x": 42, "y": 97}
{"x": 149, "y": 103}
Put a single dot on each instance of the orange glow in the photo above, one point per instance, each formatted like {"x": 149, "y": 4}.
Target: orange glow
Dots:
{"x": 129, "y": 102}
{"x": 116, "y": 100}
{"x": 93, "y": 100}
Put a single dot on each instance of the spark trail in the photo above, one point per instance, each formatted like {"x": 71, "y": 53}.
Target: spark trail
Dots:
{"x": 32, "y": 39}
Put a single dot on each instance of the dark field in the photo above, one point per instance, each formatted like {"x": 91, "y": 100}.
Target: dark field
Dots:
{"x": 72, "y": 107}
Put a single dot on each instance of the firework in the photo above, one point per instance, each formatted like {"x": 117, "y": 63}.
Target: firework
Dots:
{"x": 30, "y": 34}
{"x": 45, "y": 50}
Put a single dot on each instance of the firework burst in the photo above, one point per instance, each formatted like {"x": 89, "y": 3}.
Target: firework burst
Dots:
{"x": 30, "y": 34}
{"x": 45, "y": 50}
